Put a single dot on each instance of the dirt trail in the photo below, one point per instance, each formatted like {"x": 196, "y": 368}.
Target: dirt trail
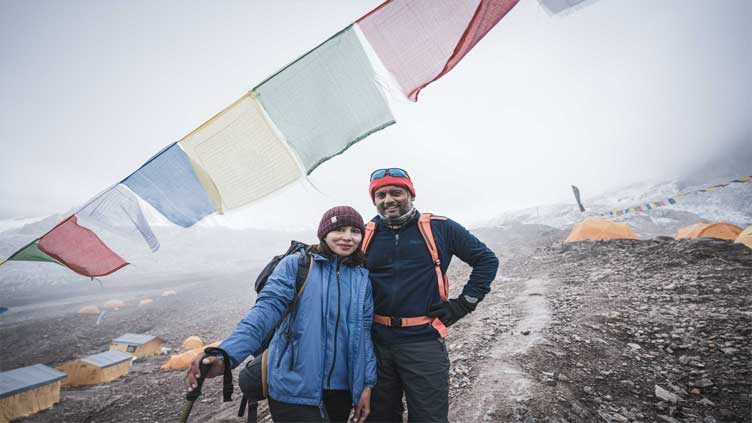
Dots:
{"x": 502, "y": 384}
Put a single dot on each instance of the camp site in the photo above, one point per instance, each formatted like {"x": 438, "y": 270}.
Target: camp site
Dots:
{"x": 162, "y": 160}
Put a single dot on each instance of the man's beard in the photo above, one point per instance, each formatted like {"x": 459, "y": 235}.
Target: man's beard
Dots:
{"x": 404, "y": 216}
{"x": 402, "y": 210}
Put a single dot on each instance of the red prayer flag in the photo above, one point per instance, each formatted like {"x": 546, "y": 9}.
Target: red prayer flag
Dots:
{"x": 420, "y": 41}
{"x": 80, "y": 249}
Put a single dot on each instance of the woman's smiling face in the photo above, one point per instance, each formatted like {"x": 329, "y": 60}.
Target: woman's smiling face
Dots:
{"x": 344, "y": 241}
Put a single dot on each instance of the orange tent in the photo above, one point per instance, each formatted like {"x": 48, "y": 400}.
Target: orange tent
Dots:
{"x": 192, "y": 342}
{"x": 183, "y": 360}
{"x": 709, "y": 230}
{"x": 145, "y": 301}
{"x": 89, "y": 310}
{"x": 745, "y": 237}
{"x": 596, "y": 230}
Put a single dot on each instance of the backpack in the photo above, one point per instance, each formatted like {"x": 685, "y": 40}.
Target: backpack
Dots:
{"x": 296, "y": 247}
{"x": 252, "y": 378}
{"x": 304, "y": 266}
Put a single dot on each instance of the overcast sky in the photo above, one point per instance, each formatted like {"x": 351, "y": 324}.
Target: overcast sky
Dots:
{"x": 616, "y": 92}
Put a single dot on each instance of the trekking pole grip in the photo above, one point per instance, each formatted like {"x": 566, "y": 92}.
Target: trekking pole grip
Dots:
{"x": 203, "y": 369}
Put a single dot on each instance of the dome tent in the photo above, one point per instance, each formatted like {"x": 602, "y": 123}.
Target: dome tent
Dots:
{"x": 183, "y": 360}
{"x": 596, "y": 230}
{"x": 91, "y": 309}
{"x": 745, "y": 237}
{"x": 709, "y": 230}
{"x": 192, "y": 342}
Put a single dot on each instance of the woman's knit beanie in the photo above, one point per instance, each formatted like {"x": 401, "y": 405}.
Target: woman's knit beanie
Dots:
{"x": 338, "y": 217}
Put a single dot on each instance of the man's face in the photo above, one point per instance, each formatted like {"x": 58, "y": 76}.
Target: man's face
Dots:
{"x": 392, "y": 201}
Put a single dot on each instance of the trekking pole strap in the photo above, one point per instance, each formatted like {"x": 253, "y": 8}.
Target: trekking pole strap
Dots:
{"x": 227, "y": 378}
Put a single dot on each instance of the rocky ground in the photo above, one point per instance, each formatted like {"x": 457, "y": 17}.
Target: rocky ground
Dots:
{"x": 615, "y": 331}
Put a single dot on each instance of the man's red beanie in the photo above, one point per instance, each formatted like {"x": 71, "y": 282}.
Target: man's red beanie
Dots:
{"x": 391, "y": 180}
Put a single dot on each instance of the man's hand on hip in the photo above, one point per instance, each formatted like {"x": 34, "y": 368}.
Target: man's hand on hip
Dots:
{"x": 452, "y": 311}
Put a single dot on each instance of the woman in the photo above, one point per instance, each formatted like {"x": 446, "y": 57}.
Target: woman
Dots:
{"x": 327, "y": 365}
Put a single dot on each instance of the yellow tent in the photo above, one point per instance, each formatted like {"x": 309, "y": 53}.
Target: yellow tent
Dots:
{"x": 745, "y": 237}
{"x": 709, "y": 230}
{"x": 183, "y": 360}
{"x": 596, "y": 230}
{"x": 89, "y": 310}
{"x": 192, "y": 342}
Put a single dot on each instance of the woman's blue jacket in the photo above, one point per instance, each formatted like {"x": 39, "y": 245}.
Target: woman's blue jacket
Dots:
{"x": 304, "y": 383}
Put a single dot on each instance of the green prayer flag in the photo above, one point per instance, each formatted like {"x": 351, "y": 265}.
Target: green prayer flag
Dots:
{"x": 32, "y": 253}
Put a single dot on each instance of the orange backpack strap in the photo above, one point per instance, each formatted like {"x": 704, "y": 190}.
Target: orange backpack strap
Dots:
{"x": 370, "y": 229}
{"x": 424, "y": 224}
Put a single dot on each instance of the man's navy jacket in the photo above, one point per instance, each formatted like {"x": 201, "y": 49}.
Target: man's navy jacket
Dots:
{"x": 404, "y": 279}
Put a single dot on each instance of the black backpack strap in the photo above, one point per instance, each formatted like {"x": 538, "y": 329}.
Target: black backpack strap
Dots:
{"x": 227, "y": 378}
{"x": 303, "y": 269}
{"x": 305, "y": 264}
{"x": 243, "y": 403}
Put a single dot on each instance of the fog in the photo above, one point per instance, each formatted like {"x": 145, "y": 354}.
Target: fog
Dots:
{"x": 610, "y": 94}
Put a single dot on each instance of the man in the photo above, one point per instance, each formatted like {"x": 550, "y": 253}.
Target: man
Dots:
{"x": 411, "y": 306}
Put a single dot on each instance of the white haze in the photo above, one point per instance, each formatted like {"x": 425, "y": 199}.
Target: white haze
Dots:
{"x": 614, "y": 93}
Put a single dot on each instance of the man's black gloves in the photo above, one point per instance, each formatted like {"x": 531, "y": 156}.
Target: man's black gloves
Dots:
{"x": 452, "y": 311}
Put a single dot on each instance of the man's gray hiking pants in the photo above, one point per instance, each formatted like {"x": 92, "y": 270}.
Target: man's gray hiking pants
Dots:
{"x": 421, "y": 371}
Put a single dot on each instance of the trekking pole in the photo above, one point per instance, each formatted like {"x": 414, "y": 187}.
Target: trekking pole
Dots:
{"x": 193, "y": 395}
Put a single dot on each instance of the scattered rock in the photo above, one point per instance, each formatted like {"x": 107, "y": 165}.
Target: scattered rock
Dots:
{"x": 666, "y": 395}
{"x": 703, "y": 383}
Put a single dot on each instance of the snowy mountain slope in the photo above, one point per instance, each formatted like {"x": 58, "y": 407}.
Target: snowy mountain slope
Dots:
{"x": 732, "y": 204}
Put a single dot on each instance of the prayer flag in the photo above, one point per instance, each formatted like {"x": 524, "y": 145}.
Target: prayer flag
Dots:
{"x": 241, "y": 154}
{"x": 31, "y": 252}
{"x": 167, "y": 182}
{"x": 327, "y": 100}
{"x": 117, "y": 210}
{"x": 420, "y": 41}
{"x": 80, "y": 249}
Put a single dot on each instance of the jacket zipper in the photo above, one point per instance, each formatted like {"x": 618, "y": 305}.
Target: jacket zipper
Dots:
{"x": 336, "y": 327}
{"x": 395, "y": 272}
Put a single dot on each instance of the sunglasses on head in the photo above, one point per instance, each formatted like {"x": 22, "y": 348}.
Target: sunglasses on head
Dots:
{"x": 392, "y": 171}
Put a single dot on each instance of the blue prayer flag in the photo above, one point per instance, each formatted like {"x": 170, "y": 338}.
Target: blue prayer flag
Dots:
{"x": 167, "y": 182}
